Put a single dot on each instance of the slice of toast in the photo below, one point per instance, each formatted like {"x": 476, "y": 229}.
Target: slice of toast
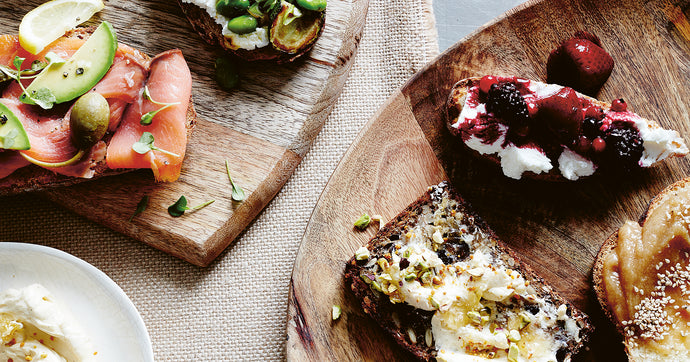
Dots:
{"x": 212, "y": 33}
{"x": 33, "y": 177}
{"x": 643, "y": 266}
{"x": 443, "y": 286}
{"x": 548, "y": 146}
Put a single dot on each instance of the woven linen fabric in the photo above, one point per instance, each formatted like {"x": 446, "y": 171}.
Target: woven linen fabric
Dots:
{"x": 236, "y": 308}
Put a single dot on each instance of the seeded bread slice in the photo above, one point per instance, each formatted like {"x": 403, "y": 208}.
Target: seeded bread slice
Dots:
{"x": 34, "y": 178}
{"x": 635, "y": 354}
{"x": 411, "y": 327}
{"x": 456, "y": 102}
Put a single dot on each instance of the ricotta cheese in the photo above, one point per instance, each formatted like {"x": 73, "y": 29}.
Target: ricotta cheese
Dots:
{"x": 516, "y": 160}
{"x": 33, "y": 327}
{"x": 574, "y": 166}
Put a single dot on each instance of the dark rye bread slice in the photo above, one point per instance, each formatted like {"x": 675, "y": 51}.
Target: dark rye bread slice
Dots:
{"x": 397, "y": 319}
{"x": 212, "y": 33}
{"x": 454, "y": 106}
{"x": 34, "y": 178}
{"x": 608, "y": 247}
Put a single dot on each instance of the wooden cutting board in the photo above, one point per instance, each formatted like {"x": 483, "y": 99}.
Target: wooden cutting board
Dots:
{"x": 557, "y": 227}
{"x": 263, "y": 128}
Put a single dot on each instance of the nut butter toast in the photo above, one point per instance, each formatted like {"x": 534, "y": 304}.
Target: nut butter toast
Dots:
{"x": 642, "y": 278}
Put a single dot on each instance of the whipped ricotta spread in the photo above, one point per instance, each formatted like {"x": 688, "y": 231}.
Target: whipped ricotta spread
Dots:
{"x": 515, "y": 159}
{"x": 484, "y": 309}
{"x": 259, "y": 38}
{"x": 34, "y": 327}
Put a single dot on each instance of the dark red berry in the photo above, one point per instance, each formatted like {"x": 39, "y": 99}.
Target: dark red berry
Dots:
{"x": 583, "y": 145}
{"x": 563, "y": 114}
{"x": 580, "y": 62}
{"x": 486, "y": 82}
{"x": 598, "y": 145}
{"x": 506, "y": 102}
{"x": 624, "y": 145}
{"x": 619, "y": 105}
{"x": 591, "y": 127}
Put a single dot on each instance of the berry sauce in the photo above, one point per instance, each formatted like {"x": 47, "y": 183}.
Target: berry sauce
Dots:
{"x": 550, "y": 118}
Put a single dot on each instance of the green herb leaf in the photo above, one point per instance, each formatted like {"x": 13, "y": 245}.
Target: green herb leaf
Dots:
{"x": 363, "y": 221}
{"x": 18, "y": 62}
{"x": 141, "y": 207}
{"x": 180, "y": 206}
{"x": 44, "y": 98}
{"x": 237, "y": 192}
{"x": 145, "y": 144}
{"x": 147, "y": 118}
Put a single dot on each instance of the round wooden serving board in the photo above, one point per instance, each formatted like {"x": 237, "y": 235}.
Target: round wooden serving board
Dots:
{"x": 556, "y": 227}
{"x": 263, "y": 128}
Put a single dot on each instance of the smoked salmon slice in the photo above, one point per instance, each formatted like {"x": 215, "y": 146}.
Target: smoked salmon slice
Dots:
{"x": 169, "y": 81}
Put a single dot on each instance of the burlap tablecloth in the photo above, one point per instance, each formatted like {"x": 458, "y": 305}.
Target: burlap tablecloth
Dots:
{"x": 235, "y": 309}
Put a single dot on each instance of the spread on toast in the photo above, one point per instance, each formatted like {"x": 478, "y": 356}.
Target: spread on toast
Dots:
{"x": 642, "y": 279}
{"x": 439, "y": 281}
{"x": 546, "y": 130}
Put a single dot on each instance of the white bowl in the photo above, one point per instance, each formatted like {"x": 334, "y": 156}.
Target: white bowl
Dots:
{"x": 103, "y": 310}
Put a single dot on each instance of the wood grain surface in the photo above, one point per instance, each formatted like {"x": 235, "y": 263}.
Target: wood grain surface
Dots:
{"x": 263, "y": 128}
{"x": 557, "y": 227}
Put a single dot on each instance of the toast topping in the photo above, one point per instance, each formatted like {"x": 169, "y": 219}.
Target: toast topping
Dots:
{"x": 647, "y": 279}
{"x": 533, "y": 126}
{"x": 483, "y": 306}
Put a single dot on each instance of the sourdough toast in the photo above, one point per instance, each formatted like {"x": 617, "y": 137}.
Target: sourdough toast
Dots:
{"x": 437, "y": 270}
{"x": 660, "y": 256}
{"x": 33, "y": 177}
{"x": 533, "y": 130}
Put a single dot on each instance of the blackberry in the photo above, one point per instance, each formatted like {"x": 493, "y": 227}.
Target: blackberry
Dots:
{"x": 506, "y": 102}
{"x": 623, "y": 145}
{"x": 590, "y": 127}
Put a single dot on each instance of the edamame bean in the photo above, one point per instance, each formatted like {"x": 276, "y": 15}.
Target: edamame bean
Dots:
{"x": 227, "y": 74}
{"x": 314, "y": 5}
{"x": 232, "y": 8}
{"x": 242, "y": 24}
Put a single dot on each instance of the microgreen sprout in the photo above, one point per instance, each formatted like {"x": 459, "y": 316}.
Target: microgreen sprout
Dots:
{"x": 180, "y": 206}
{"x": 147, "y": 118}
{"x": 43, "y": 97}
{"x": 145, "y": 144}
{"x": 141, "y": 207}
{"x": 237, "y": 192}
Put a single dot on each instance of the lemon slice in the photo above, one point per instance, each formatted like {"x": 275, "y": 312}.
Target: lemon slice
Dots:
{"x": 42, "y": 25}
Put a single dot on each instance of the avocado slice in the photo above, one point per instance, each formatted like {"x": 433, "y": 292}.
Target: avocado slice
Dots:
{"x": 69, "y": 80}
{"x": 12, "y": 133}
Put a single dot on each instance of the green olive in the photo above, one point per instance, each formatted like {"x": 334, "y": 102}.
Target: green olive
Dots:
{"x": 314, "y": 5}
{"x": 232, "y": 8}
{"x": 89, "y": 119}
{"x": 227, "y": 74}
{"x": 243, "y": 24}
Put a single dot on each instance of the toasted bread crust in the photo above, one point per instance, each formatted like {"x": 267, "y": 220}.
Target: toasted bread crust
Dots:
{"x": 455, "y": 104}
{"x": 212, "y": 33}
{"x": 608, "y": 247}
{"x": 34, "y": 178}
{"x": 379, "y": 307}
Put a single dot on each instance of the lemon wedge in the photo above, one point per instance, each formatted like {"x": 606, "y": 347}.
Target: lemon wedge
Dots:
{"x": 42, "y": 25}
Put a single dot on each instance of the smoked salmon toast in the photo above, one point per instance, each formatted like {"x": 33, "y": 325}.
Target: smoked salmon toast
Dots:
{"x": 135, "y": 86}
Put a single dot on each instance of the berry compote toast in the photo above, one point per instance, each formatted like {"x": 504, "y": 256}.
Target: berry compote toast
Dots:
{"x": 548, "y": 131}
